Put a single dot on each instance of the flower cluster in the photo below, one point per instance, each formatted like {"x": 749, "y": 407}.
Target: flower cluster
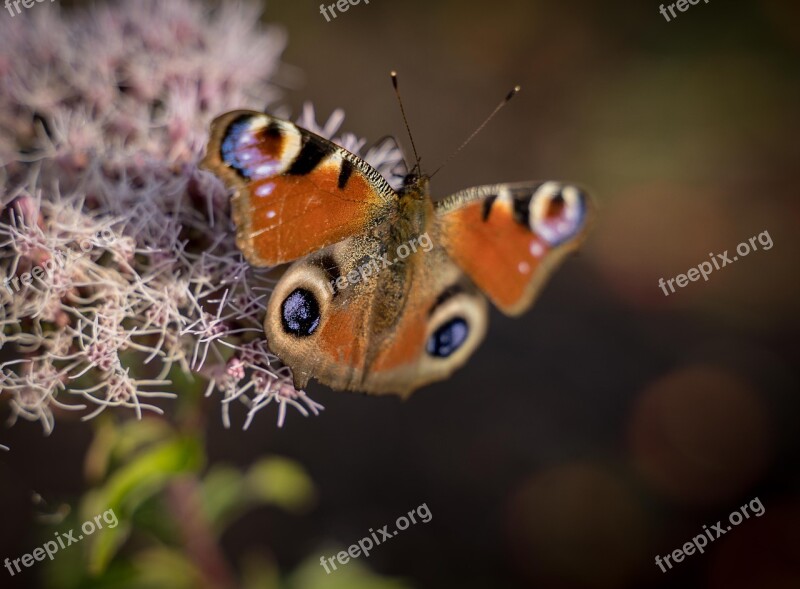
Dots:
{"x": 120, "y": 249}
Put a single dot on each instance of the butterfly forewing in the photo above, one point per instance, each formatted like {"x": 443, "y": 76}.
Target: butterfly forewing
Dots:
{"x": 509, "y": 237}
{"x": 295, "y": 192}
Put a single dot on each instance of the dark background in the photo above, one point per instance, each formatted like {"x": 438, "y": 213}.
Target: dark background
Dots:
{"x": 611, "y": 422}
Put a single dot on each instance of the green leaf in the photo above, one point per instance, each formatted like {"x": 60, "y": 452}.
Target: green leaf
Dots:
{"x": 116, "y": 443}
{"x": 105, "y": 544}
{"x": 282, "y": 482}
{"x": 168, "y": 569}
{"x": 148, "y": 472}
{"x": 133, "y": 483}
{"x": 98, "y": 456}
{"x": 223, "y": 496}
{"x": 352, "y": 575}
{"x": 260, "y": 572}
{"x": 134, "y": 435}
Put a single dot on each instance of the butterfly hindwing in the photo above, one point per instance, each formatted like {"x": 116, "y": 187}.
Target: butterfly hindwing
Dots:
{"x": 509, "y": 237}
{"x": 295, "y": 192}
{"x": 400, "y": 327}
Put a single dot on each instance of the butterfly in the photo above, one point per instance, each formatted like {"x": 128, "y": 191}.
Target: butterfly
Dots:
{"x": 421, "y": 310}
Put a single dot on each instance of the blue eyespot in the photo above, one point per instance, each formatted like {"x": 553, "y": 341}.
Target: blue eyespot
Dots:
{"x": 448, "y": 338}
{"x": 300, "y": 313}
{"x": 558, "y": 212}
{"x": 230, "y": 145}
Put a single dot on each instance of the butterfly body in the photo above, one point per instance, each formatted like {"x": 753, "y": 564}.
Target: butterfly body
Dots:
{"x": 388, "y": 290}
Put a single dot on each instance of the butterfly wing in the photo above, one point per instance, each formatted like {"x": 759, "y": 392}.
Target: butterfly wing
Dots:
{"x": 509, "y": 237}
{"x": 387, "y": 330}
{"x": 295, "y": 192}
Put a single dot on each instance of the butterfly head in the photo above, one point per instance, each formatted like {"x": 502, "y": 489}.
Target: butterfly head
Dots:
{"x": 415, "y": 185}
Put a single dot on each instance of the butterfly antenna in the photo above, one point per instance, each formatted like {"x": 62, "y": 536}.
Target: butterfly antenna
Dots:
{"x": 503, "y": 102}
{"x": 405, "y": 120}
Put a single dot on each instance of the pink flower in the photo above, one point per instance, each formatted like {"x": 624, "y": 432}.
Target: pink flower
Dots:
{"x": 117, "y": 254}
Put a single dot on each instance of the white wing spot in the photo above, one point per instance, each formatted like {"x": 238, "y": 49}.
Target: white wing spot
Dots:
{"x": 265, "y": 189}
{"x": 267, "y": 169}
{"x": 536, "y": 249}
{"x": 504, "y": 195}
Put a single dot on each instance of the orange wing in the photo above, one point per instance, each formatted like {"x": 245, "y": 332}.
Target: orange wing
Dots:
{"x": 296, "y": 192}
{"x": 509, "y": 237}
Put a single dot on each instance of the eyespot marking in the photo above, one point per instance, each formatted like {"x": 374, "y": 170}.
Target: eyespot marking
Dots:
{"x": 300, "y": 314}
{"x": 244, "y": 147}
{"x": 448, "y": 338}
{"x": 557, "y": 212}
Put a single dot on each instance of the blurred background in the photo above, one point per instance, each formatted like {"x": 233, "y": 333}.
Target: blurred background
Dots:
{"x": 611, "y": 422}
